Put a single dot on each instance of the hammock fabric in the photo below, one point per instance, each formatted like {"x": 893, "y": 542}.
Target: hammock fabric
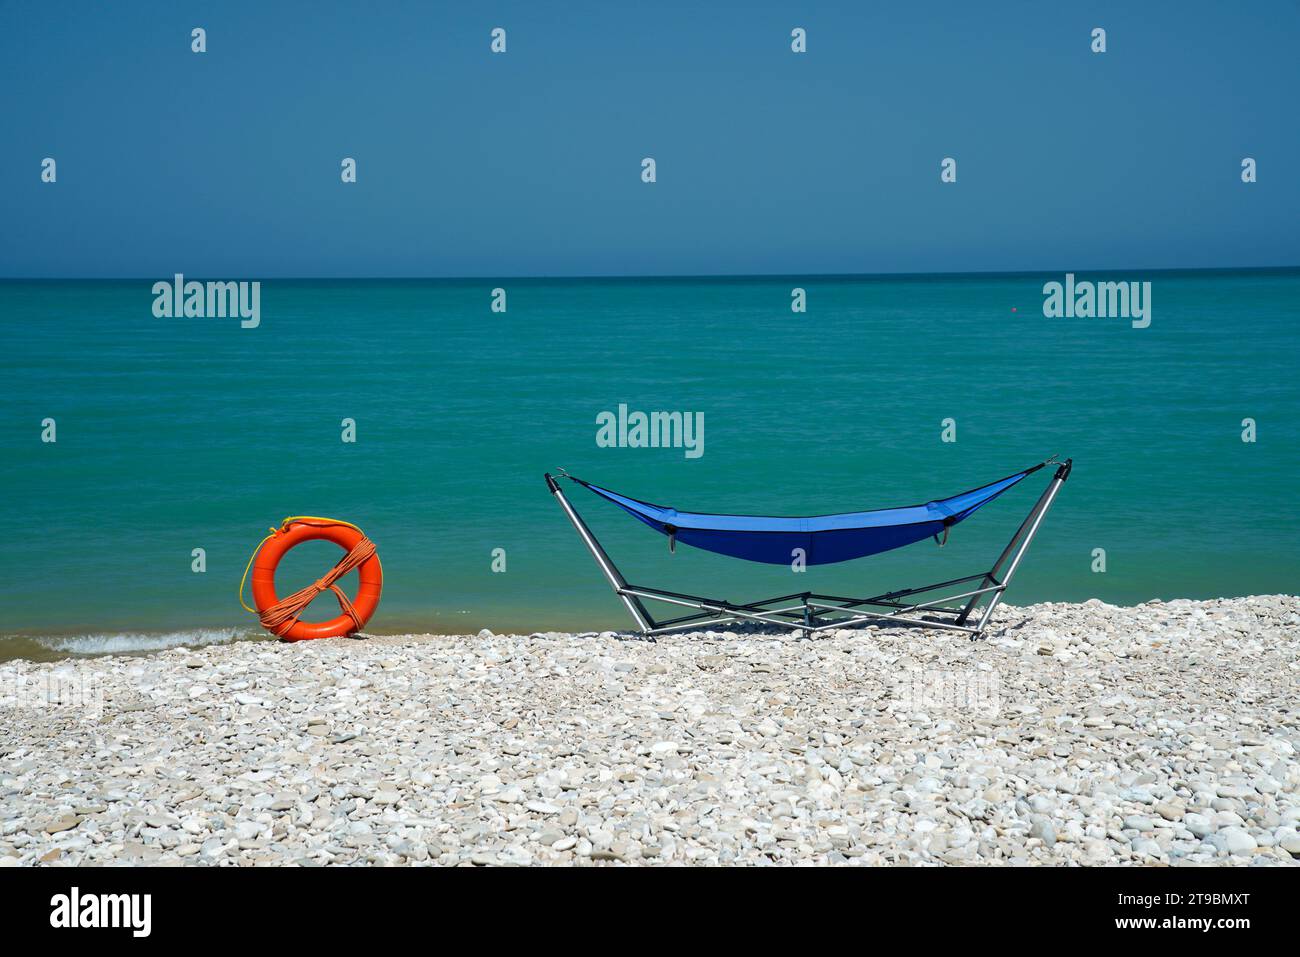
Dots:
{"x": 825, "y": 539}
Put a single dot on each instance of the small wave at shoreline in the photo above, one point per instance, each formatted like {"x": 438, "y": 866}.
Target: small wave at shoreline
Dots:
{"x": 50, "y": 647}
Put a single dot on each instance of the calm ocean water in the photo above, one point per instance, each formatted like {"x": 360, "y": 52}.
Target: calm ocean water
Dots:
{"x": 175, "y": 434}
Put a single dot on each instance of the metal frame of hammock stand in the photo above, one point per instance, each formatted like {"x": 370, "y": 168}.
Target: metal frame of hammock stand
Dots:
{"x": 966, "y": 611}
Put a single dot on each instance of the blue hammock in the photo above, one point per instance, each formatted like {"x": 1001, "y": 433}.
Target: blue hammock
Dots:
{"x": 825, "y": 539}
{"x": 822, "y": 539}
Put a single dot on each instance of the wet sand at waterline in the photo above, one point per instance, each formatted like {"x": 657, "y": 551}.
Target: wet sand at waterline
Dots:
{"x": 1077, "y": 733}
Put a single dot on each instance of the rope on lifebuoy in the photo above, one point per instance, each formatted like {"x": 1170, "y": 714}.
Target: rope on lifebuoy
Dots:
{"x": 284, "y": 614}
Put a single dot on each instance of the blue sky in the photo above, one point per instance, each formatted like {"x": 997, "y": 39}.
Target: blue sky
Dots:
{"x": 528, "y": 163}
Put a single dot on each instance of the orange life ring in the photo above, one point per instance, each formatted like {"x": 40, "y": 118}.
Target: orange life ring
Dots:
{"x": 295, "y": 532}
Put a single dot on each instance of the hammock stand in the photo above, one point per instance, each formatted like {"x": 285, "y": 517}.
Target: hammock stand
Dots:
{"x": 824, "y": 539}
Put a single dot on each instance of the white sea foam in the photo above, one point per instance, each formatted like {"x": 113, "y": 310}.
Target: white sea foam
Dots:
{"x": 126, "y": 642}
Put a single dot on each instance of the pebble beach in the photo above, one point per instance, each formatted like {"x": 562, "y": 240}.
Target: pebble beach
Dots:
{"x": 1076, "y": 734}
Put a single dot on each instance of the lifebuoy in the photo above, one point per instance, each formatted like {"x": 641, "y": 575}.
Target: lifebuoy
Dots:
{"x": 355, "y": 613}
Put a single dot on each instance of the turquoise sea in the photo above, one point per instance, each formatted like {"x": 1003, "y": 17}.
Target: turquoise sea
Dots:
{"x": 176, "y": 434}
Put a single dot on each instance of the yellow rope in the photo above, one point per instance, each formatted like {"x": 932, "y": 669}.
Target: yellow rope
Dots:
{"x": 314, "y": 519}
{"x": 248, "y": 567}
{"x": 284, "y": 526}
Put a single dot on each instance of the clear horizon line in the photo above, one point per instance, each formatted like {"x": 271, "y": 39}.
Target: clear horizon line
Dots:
{"x": 670, "y": 276}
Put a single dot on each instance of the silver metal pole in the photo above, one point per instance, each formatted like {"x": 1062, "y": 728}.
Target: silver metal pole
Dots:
{"x": 1040, "y": 511}
{"x": 731, "y": 612}
{"x": 612, "y": 574}
{"x": 992, "y": 575}
{"x": 865, "y": 617}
